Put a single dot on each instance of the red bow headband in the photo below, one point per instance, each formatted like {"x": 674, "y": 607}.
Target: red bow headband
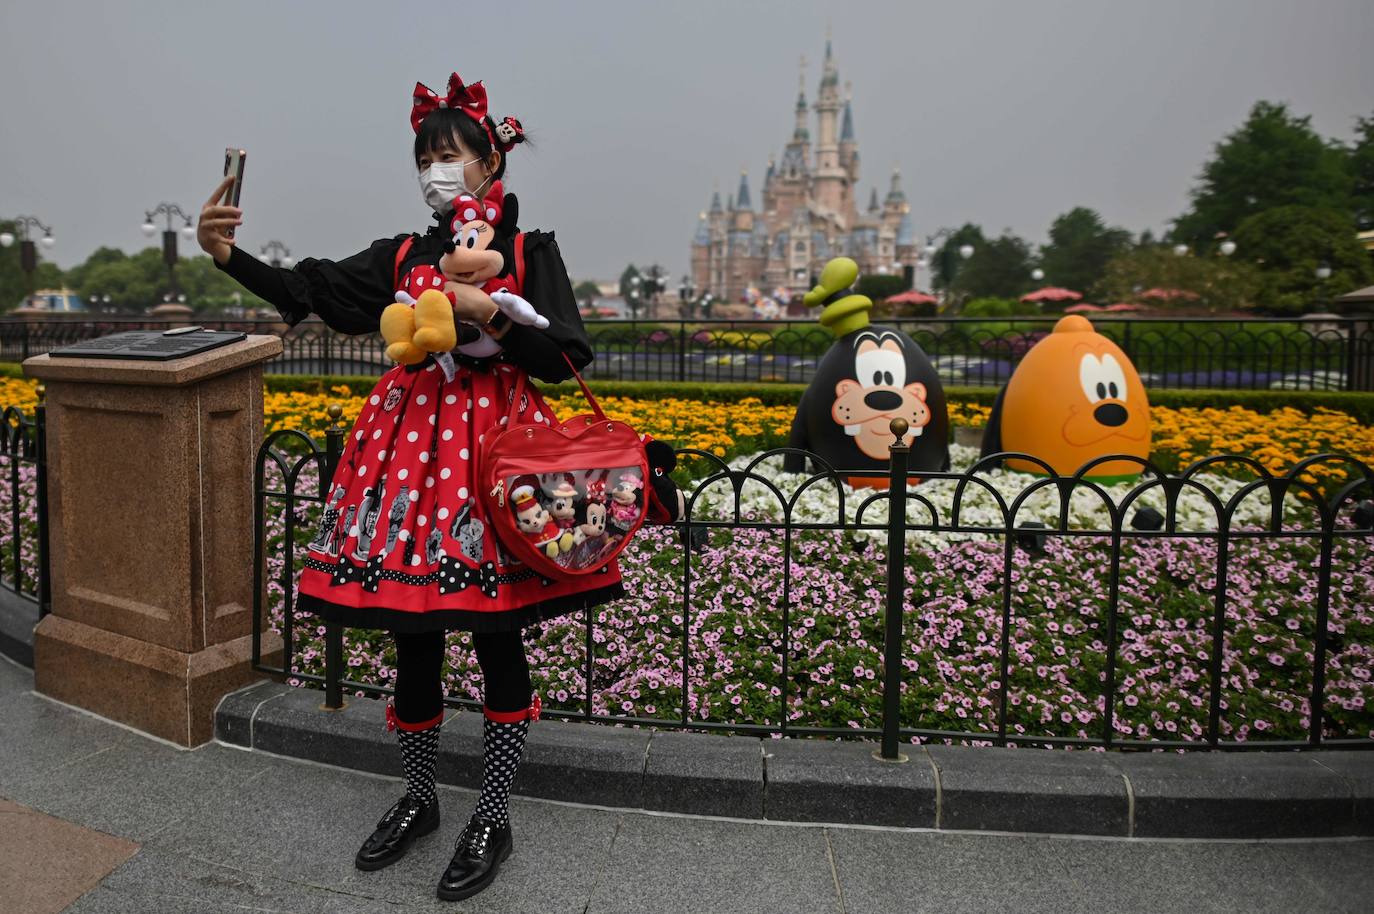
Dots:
{"x": 472, "y": 101}
{"x": 466, "y": 208}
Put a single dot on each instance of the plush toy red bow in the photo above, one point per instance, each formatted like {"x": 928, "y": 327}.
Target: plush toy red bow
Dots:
{"x": 471, "y": 100}
{"x": 596, "y": 490}
{"x": 467, "y": 208}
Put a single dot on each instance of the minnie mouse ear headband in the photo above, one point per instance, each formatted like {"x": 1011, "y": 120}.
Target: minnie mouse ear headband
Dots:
{"x": 466, "y": 208}
{"x": 472, "y": 101}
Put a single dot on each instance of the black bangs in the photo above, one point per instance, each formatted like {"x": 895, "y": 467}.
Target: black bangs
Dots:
{"x": 444, "y": 127}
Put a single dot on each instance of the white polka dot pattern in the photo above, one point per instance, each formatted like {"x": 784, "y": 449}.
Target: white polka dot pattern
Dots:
{"x": 419, "y": 753}
{"x": 502, "y": 746}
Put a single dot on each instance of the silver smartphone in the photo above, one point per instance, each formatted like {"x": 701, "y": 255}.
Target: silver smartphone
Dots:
{"x": 234, "y": 160}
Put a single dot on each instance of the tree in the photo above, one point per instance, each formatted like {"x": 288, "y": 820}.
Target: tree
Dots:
{"x": 1221, "y": 284}
{"x": 1274, "y": 159}
{"x": 1080, "y": 247}
{"x": 879, "y": 286}
{"x": 1290, "y": 242}
{"x": 1362, "y": 173}
{"x": 1000, "y": 268}
{"x": 587, "y": 292}
{"x": 947, "y": 262}
{"x": 132, "y": 283}
{"x": 209, "y": 289}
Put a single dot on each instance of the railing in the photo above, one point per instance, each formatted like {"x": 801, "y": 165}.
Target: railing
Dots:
{"x": 1336, "y": 354}
{"x": 24, "y": 507}
{"x": 1011, "y": 560}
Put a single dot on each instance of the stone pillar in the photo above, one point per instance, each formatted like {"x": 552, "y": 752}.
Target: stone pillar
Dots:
{"x": 150, "y": 489}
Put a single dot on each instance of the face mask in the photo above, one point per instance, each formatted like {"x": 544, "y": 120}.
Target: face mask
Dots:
{"x": 442, "y": 182}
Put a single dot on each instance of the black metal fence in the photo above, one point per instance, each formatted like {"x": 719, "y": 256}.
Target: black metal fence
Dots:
{"x": 1328, "y": 517}
{"x": 1192, "y": 353}
{"x": 25, "y": 582}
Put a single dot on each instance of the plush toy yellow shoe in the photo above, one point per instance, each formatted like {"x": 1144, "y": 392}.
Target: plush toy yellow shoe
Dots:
{"x": 434, "y": 327}
{"x": 398, "y": 329}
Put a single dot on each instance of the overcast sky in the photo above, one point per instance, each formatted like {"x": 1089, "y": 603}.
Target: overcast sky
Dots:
{"x": 1000, "y": 113}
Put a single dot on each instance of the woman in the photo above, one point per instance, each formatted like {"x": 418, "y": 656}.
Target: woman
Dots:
{"x": 409, "y": 548}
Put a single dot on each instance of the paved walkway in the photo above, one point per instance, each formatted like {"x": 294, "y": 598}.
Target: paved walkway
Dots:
{"x": 146, "y": 828}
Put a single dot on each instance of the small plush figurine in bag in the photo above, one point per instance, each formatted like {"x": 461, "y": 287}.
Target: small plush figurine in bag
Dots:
{"x": 561, "y": 498}
{"x": 537, "y": 525}
{"x": 590, "y": 533}
{"x": 625, "y": 504}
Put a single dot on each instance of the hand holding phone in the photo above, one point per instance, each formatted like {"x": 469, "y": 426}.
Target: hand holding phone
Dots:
{"x": 234, "y": 160}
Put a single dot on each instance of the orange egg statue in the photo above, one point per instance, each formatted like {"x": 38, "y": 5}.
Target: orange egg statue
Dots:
{"x": 1074, "y": 397}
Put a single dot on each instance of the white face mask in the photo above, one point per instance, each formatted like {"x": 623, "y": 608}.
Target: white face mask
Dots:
{"x": 442, "y": 182}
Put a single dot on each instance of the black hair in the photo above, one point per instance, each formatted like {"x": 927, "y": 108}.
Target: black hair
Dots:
{"x": 443, "y": 127}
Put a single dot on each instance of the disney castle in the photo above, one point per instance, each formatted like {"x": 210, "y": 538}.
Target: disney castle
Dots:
{"x": 810, "y": 211}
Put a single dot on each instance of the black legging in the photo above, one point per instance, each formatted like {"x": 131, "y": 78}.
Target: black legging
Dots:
{"x": 420, "y": 657}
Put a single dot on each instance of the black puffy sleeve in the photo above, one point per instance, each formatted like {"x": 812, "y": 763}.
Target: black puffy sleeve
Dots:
{"x": 548, "y": 289}
{"x": 349, "y": 295}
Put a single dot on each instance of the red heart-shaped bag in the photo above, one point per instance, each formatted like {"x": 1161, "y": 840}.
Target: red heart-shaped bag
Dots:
{"x": 564, "y": 499}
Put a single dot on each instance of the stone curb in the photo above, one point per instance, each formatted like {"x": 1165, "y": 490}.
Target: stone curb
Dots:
{"x": 1179, "y": 795}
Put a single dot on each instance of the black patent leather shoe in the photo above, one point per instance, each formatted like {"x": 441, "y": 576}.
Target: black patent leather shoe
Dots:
{"x": 396, "y": 832}
{"x": 476, "y": 859}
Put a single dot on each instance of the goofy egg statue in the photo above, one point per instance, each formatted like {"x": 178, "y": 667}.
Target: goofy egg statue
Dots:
{"x": 1075, "y": 397}
{"x": 870, "y": 376}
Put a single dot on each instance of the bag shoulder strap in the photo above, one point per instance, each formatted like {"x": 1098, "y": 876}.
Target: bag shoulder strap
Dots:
{"x": 520, "y": 290}
{"x": 519, "y": 263}
{"x": 401, "y": 253}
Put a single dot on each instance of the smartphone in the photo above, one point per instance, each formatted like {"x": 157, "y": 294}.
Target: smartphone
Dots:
{"x": 234, "y": 160}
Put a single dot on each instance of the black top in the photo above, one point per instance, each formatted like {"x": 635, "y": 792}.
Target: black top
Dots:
{"x": 349, "y": 295}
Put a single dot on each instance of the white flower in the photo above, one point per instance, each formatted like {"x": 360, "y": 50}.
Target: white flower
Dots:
{"x": 931, "y": 504}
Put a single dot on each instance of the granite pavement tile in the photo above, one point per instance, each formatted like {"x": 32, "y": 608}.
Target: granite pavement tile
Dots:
{"x": 946, "y": 873}
{"x": 668, "y": 864}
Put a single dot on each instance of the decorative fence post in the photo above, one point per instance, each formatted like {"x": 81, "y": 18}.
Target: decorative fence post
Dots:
{"x": 333, "y": 633}
{"x": 896, "y": 590}
{"x": 40, "y": 431}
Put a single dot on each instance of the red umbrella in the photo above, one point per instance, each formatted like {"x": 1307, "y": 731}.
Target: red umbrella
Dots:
{"x": 913, "y": 298}
{"x": 1170, "y": 294}
{"x": 1051, "y": 293}
{"x": 1123, "y": 306}
{"x": 1085, "y": 306}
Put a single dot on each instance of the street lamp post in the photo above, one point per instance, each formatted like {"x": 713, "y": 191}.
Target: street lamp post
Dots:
{"x": 169, "y": 241}
{"x": 1323, "y": 273}
{"x": 656, "y": 282}
{"x": 927, "y": 258}
{"x": 277, "y": 254}
{"x": 685, "y": 293}
{"x": 632, "y": 299}
{"x": 28, "y": 250}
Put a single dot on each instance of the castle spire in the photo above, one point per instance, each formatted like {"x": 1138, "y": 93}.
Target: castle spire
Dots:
{"x": 847, "y": 125}
{"x": 873, "y": 201}
{"x": 894, "y": 193}
{"x": 703, "y": 235}
{"x": 715, "y": 201}
{"x": 742, "y": 201}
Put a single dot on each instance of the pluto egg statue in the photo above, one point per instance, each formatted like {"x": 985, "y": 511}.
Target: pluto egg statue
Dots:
{"x": 1074, "y": 397}
{"x": 871, "y": 375}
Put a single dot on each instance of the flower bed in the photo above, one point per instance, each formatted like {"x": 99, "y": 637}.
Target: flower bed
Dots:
{"x": 727, "y": 639}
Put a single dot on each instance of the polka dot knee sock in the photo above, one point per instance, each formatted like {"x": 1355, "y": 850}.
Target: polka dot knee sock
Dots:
{"x": 503, "y": 742}
{"x": 419, "y": 755}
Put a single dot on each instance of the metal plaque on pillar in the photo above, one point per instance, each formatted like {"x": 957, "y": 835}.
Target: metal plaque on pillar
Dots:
{"x": 150, "y": 344}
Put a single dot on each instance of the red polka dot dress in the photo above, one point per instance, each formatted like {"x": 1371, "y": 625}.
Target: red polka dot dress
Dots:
{"x": 404, "y": 542}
